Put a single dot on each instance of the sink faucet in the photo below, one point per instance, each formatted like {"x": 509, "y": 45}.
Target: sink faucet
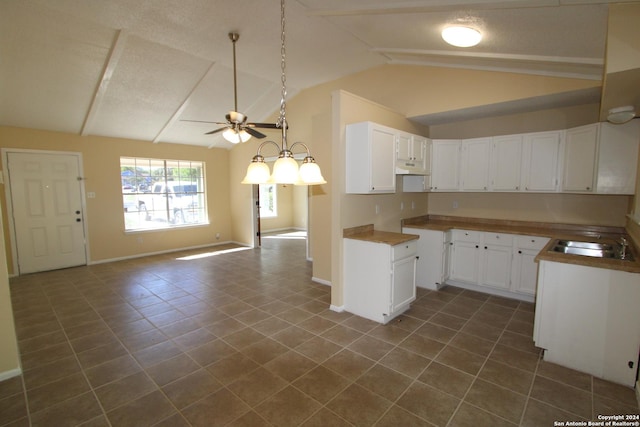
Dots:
{"x": 623, "y": 247}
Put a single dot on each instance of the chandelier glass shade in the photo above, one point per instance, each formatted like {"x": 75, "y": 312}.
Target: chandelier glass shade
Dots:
{"x": 285, "y": 168}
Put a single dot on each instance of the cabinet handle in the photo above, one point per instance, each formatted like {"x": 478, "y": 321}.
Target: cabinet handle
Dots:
{"x": 588, "y": 188}
{"x": 631, "y": 364}
{"x": 485, "y": 247}
{"x": 519, "y": 252}
{"x": 477, "y": 246}
{"x": 417, "y": 257}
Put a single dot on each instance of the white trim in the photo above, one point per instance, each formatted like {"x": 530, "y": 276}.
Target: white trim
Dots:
{"x": 337, "y": 309}
{"x": 10, "y": 374}
{"x": 321, "y": 281}
{"x": 167, "y": 251}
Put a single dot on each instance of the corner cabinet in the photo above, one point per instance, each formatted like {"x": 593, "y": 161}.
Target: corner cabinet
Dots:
{"x": 370, "y": 156}
{"x": 618, "y": 158}
{"x": 379, "y": 279}
{"x": 433, "y": 257}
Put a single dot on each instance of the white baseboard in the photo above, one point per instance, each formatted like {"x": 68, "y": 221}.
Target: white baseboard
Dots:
{"x": 321, "y": 281}
{"x": 168, "y": 251}
{"x": 10, "y": 374}
{"x": 337, "y": 309}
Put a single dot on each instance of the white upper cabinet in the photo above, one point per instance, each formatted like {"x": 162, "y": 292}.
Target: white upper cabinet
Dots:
{"x": 618, "y": 158}
{"x": 475, "y": 164}
{"x": 506, "y": 158}
{"x": 413, "y": 152}
{"x": 371, "y": 150}
{"x": 446, "y": 165}
{"x": 580, "y": 152}
{"x": 540, "y": 160}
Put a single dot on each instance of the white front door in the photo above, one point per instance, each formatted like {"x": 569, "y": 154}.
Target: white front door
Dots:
{"x": 46, "y": 199}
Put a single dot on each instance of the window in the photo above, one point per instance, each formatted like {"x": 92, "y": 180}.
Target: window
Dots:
{"x": 268, "y": 201}
{"x": 162, "y": 193}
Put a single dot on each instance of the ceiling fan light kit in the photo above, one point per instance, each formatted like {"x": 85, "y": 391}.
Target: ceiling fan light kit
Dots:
{"x": 461, "y": 36}
{"x": 285, "y": 169}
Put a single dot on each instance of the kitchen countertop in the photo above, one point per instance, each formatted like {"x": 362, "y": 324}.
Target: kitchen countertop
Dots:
{"x": 367, "y": 233}
{"x": 550, "y": 230}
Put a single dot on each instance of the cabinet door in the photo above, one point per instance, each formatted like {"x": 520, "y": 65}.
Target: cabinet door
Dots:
{"x": 403, "y": 287}
{"x": 506, "y": 158}
{"x": 383, "y": 175}
{"x": 496, "y": 266}
{"x": 446, "y": 165}
{"x": 617, "y": 158}
{"x": 403, "y": 147}
{"x": 580, "y": 158}
{"x": 525, "y": 271}
{"x": 464, "y": 261}
{"x": 540, "y": 161}
{"x": 475, "y": 164}
{"x": 418, "y": 147}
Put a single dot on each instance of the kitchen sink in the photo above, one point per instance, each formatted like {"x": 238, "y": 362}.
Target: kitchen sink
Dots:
{"x": 585, "y": 245}
{"x": 592, "y": 249}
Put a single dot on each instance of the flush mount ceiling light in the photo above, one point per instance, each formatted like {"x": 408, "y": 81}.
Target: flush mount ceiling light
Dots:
{"x": 461, "y": 36}
{"x": 285, "y": 169}
{"x": 621, "y": 115}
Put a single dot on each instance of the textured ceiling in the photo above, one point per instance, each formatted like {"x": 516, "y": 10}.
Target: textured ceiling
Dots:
{"x": 135, "y": 69}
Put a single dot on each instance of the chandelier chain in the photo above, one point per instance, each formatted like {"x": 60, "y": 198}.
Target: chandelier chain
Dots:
{"x": 283, "y": 77}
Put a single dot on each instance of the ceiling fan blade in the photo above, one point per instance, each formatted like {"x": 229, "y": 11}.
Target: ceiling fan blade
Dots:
{"x": 254, "y": 132}
{"x": 265, "y": 125}
{"x": 203, "y": 121}
{"x": 215, "y": 131}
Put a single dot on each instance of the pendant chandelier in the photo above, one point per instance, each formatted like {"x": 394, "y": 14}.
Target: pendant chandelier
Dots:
{"x": 285, "y": 169}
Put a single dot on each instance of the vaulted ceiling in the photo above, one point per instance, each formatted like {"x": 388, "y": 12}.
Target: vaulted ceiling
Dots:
{"x": 137, "y": 69}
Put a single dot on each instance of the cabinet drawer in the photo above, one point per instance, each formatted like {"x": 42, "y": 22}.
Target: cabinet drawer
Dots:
{"x": 466, "y": 235}
{"x": 531, "y": 242}
{"x": 499, "y": 239}
{"x": 404, "y": 250}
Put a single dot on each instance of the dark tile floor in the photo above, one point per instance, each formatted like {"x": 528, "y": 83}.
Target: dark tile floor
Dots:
{"x": 243, "y": 337}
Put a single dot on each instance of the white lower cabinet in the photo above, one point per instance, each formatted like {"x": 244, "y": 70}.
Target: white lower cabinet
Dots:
{"x": 495, "y": 260}
{"x": 433, "y": 259}
{"x": 498, "y": 263}
{"x": 524, "y": 274}
{"x": 379, "y": 279}
{"x": 587, "y": 319}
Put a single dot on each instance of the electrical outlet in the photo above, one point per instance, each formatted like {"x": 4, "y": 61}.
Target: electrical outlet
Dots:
{"x": 217, "y": 236}
{"x": 377, "y": 209}
{"x": 401, "y": 206}
{"x": 455, "y": 204}
{"x": 413, "y": 205}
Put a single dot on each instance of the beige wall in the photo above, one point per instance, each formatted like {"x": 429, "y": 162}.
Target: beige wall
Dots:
{"x": 101, "y": 161}
{"x": 9, "y": 357}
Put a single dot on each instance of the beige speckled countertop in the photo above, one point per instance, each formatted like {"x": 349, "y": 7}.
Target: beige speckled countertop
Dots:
{"x": 367, "y": 233}
{"x": 551, "y": 230}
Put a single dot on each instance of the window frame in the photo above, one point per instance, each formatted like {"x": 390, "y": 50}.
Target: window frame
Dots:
{"x": 175, "y": 204}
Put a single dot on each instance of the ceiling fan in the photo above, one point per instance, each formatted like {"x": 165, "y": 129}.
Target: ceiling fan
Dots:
{"x": 236, "y": 129}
